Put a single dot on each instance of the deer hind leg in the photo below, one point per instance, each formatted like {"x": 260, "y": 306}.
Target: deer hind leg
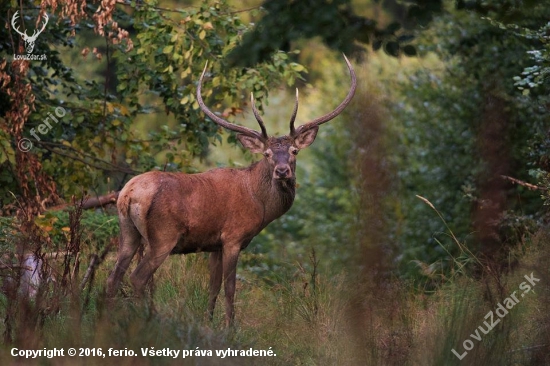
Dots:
{"x": 161, "y": 244}
{"x": 129, "y": 242}
{"x": 216, "y": 272}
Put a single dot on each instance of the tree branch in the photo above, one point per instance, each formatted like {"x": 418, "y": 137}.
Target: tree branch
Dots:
{"x": 115, "y": 168}
{"x": 529, "y": 186}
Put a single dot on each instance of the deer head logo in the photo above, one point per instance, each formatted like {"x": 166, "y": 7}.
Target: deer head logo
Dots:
{"x": 29, "y": 40}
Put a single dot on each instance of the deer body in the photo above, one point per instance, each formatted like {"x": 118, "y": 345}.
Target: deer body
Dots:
{"x": 247, "y": 199}
{"x": 218, "y": 211}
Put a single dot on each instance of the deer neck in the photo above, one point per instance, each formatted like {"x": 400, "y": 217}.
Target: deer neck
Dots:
{"x": 276, "y": 196}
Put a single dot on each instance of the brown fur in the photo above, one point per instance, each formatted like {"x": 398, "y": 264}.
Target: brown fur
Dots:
{"x": 219, "y": 211}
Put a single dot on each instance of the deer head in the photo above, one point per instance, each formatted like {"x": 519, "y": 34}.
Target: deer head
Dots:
{"x": 29, "y": 40}
{"x": 280, "y": 152}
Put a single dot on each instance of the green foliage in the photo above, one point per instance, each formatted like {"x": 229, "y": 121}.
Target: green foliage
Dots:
{"x": 167, "y": 59}
{"x": 538, "y": 74}
{"x": 434, "y": 161}
{"x": 98, "y": 230}
{"x": 441, "y": 127}
{"x": 535, "y": 81}
{"x": 339, "y": 24}
{"x": 96, "y": 145}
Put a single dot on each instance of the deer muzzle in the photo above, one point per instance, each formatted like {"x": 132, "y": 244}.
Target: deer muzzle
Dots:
{"x": 282, "y": 171}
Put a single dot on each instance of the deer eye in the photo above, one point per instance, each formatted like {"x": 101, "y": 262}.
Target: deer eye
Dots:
{"x": 294, "y": 151}
{"x": 268, "y": 153}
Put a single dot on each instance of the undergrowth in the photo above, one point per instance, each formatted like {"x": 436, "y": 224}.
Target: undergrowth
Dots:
{"x": 306, "y": 317}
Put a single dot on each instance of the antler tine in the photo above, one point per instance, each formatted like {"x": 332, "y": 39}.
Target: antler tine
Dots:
{"x": 257, "y": 115}
{"x": 37, "y": 32}
{"x": 16, "y": 28}
{"x": 327, "y": 117}
{"x": 293, "y": 117}
{"x": 46, "y": 18}
{"x": 221, "y": 121}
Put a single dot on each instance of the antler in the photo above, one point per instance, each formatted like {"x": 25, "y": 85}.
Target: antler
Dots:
{"x": 16, "y": 28}
{"x": 257, "y": 115}
{"x": 226, "y": 124}
{"x": 293, "y": 117}
{"x": 37, "y": 33}
{"x": 331, "y": 115}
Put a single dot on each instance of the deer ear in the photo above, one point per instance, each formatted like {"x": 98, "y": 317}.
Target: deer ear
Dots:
{"x": 306, "y": 138}
{"x": 253, "y": 144}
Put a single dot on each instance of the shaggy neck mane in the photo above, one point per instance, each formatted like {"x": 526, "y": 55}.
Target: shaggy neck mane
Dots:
{"x": 276, "y": 196}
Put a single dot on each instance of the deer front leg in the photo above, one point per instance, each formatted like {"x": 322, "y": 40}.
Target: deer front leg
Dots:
{"x": 230, "y": 257}
{"x": 216, "y": 272}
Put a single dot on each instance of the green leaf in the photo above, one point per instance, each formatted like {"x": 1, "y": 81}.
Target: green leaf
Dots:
{"x": 297, "y": 67}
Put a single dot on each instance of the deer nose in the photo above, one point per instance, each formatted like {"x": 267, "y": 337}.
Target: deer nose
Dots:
{"x": 282, "y": 171}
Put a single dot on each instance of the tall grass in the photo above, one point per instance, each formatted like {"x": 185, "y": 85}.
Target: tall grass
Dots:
{"x": 309, "y": 318}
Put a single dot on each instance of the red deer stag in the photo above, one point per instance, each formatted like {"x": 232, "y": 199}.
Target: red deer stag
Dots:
{"x": 219, "y": 211}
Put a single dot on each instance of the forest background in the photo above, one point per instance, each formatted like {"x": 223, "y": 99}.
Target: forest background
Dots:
{"x": 419, "y": 209}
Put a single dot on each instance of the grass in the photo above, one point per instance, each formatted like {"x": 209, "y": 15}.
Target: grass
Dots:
{"x": 306, "y": 319}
